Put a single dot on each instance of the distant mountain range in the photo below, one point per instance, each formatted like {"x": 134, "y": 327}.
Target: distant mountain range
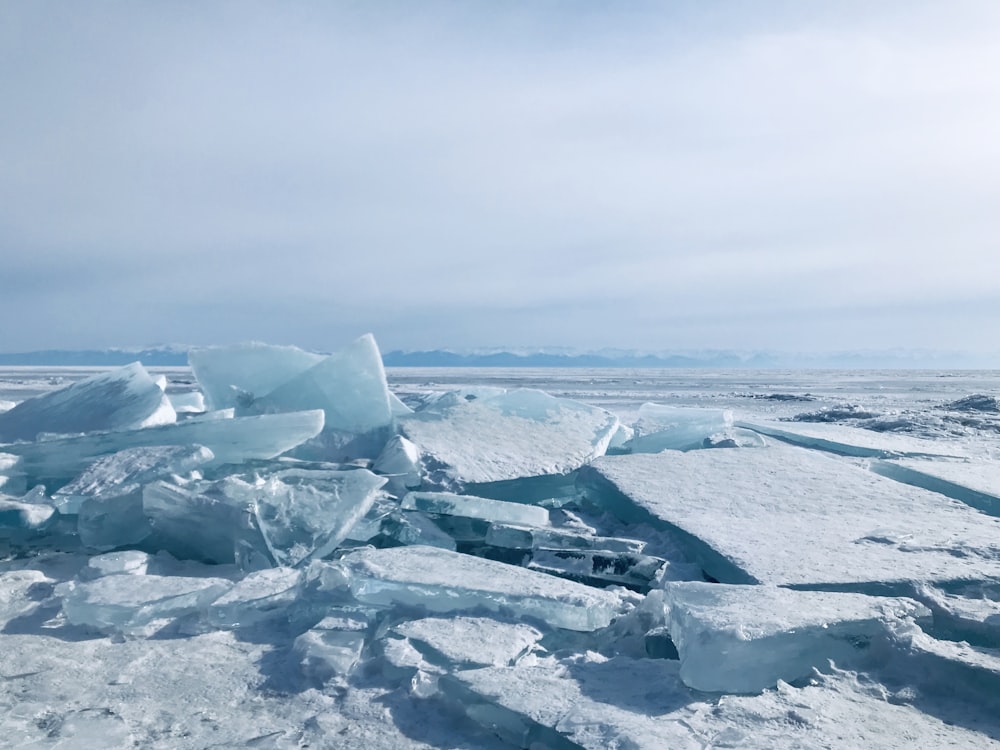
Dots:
{"x": 176, "y": 356}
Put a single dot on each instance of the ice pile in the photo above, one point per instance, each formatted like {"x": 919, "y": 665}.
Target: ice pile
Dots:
{"x": 477, "y": 564}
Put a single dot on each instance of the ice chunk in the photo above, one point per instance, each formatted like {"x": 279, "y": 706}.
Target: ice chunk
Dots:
{"x": 122, "y": 399}
{"x": 508, "y": 435}
{"x": 743, "y": 639}
{"x": 524, "y": 537}
{"x": 400, "y": 461}
{"x": 450, "y": 504}
{"x": 975, "y": 483}
{"x": 331, "y": 648}
{"x": 12, "y": 478}
{"x": 677, "y": 428}
{"x": 397, "y": 407}
{"x": 230, "y": 440}
{"x": 228, "y": 373}
{"x": 465, "y": 642}
{"x": 790, "y": 516}
{"x": 598, "y": 566}
{"x": 414, "y": 528}
{"x": 125, "y": 562}
{"x": 351, "y": 389}
{"x": 444, "y": 581}
{"x": 192, "y": 524}
{"x": 260, "y": 596}
{"x": 133, "y": 604}
{"x": 304, "y": 514}
{"x": 125, "y": 472}
{"x": 187, "y": 402}
{"x": 18, "y": 516}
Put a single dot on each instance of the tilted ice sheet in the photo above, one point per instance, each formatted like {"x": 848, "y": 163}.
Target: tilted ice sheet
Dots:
{"x": 786, "y": 515}
{"x": 121, "y": 399}
{"x": 662, "y": 427}
{"x": 508, "y": 435}
{"x": 744, "y": 639}
{"x": 230, "y": 440}
{"x": 976, "y": 483}
{"x": 450, "y": 504}
{"x": 445, "y": 581}
{"x": 228, "y": 374}
{"x": 853, "y": 441}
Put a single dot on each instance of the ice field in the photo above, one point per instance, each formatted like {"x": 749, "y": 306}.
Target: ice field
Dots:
{"x": 279, "y": 549}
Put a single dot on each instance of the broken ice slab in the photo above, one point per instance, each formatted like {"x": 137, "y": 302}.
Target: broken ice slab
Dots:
{"x": 187, "y": 402}
{"x": 444, "y": 581}
{"x": 464, "y": 642}
{"x": 122, "y": 399}
{"x": 680, "y": 428}
{"x": 136, "y": 604}
{"x": 641, "y": 704}
{"x": 469, "y": 506}
{"x": 127, "y": 470}
{"x": 975, "y": 483}
{"x": 230, "y": 440}
{"x": 791, "y": 516}
{"x": 744, "y": 639}
{"x": 350, "y": 387}
{"x": 193, "y": 524}
{"x": 325, "y": 653}
{"x": 124, "y": 562}
{"x": 397, "y": 407}
{"x": 260, "y": 596}
{"x": 970, "y": 614}
{"x": 527, "y": 537}
{"x": 852, "y": 441}
{"x": 18, "y": 517}
{"x": 596, "y": 567}
{"x": 399, "y": 461}
{"x": 228, "y": 373}
{"x": 12, "y": 478}
{"x": 415, "y": 528}
{"x": 513, "y": 434}
{"x": 304, "y": 514}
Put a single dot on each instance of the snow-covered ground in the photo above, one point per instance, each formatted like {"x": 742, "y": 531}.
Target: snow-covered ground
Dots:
{"x": 317, "y": 563}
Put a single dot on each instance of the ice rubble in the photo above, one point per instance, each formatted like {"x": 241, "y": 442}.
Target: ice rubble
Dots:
{"x": 479, "y": 562}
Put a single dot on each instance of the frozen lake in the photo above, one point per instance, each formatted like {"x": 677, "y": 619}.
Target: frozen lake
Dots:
{"x": 827, "y": 575}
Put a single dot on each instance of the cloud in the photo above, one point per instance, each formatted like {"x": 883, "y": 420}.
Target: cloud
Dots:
{"x": 455, "y": 174}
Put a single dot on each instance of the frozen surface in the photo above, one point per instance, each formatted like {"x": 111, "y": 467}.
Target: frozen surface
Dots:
{"x": 976, "y": 483}
{"x": 853, "y": 441}
{"x": 444, "y": 581}
{"x": 467, "y": 439}
{"x": 791, "y": 516}
{"x": 472, "y": 641}
{"x": 229, "y": 374}
{"x": 121, "y": 399}
{"x": 744, "y": 639}
{"x": 662, "y": 427}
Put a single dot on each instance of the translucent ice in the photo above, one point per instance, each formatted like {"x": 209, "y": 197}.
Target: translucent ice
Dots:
{"x": 304, "y": 514}
{"x": 506, "y": 435}
{"x": 331, "y": 648}
{"x": 131, "y": 604}
{"x": 228, "y": 374}
{"x": 450, "y": 504}
{"x": 17, "y": 516}
{"x": 444, "y": 581}
{"x": 677, "y": 428}
{"x": 599, "y": 566}
{"x": 193, "y": 524}
{"x": 523, "y": 537}
{"x": 400, "y": 462}
{"x": 743, "y": 639}
{"x": 230, "y": 440}
{"x": 351, "y": 389}
{"x": 12, "y": 478}
{"x": 188, "y": 402}
{"x": 121, "y": 399}
{"x": 260, "y": 596}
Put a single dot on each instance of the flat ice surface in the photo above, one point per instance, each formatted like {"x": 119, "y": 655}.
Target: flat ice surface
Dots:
{"x": 506, "y": 435}
{"x": 450, "y": 504}
{"x": 121, "y": 399}
{"x": 230, "y": 440}
{"x": 792, "y": 516}
{"x": 472, "y": 641}
{"x": 852, "y": 441}
{"x": 641, "y": 704}
{"x": 744, "y": 639}
{"x": 228, "y": 374}
{"x": 976, "y": 483}
{"x": 445, "y": 581}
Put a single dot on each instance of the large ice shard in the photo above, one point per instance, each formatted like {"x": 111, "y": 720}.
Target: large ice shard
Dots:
{"x": 230, "y": 440}
{"x": 122, "y": 399}
{"x": 506, "y": 435}
{"x": 304, "y": 514}
{"x": 744, "y": 639}
{"x": 469, "y": 506}
{"x": 677, "y": 428}
{"x": 231, "y": 374}
{"x": 400, "y": 462}
{"x": 444, "y": 581}
{"x": 350, "y": 387}
{"x": 791, "y": 516}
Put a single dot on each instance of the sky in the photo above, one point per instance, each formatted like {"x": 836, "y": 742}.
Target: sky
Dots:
{"x": 776, "y": 175}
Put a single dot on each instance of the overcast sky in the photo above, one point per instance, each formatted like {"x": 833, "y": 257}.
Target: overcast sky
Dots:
{"x": 798, "y": 176}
